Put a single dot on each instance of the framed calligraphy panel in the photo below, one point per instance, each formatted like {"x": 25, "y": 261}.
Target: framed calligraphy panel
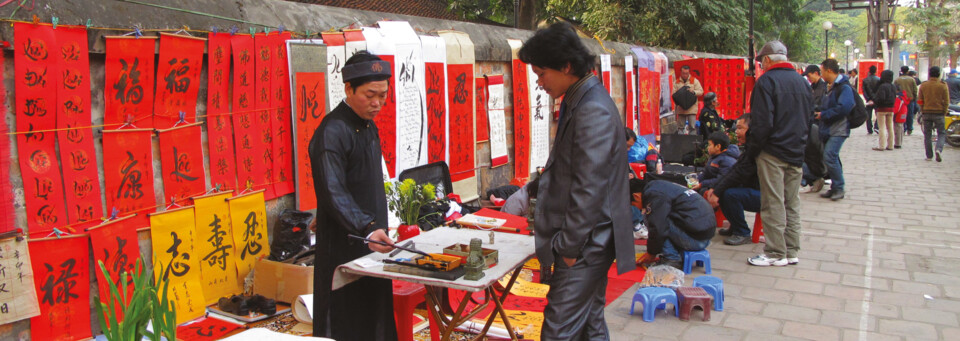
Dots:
{"x": 173, "y": 235}
{"x": 181, "y": 161}
{"x": 128, "y": 173}
{"x": 215, "y": 248}
{"x": 262, "y": 132}
{"x": 435, "y": 61}
{"x": 62, "y": 281}
{"x": 247, "y": 135}
{"x": 497, "y": 121}
{"x": 248, "y": 215}
{"x": 521, "y": 115}
{"x": 308, "y": 60}
{"x": 178, "y": 79}
{"x": 408, "y": 76}
{"x": 128, "y": 88}
{"x": 460, "y": 90}
{"x": 219, "y": 126}
{"x": 115, "y": 244}
{"x": 18, "y": 299}
{"x": 282, "y": 136}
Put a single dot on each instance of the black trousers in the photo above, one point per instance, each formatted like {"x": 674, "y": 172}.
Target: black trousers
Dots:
{"x": 577, "y": 293}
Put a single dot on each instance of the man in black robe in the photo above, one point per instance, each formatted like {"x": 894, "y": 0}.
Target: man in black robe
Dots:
{"x": 347, "y": 175}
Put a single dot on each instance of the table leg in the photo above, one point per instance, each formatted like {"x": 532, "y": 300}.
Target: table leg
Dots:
{"x": 498, "y": 301}
{"x": 444, "y": 326}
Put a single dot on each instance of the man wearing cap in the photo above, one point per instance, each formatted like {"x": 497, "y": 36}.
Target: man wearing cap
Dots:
{"x": 781, "y": 106}
{"x": 953, "y": 83}
{"x": 348, "y": 179}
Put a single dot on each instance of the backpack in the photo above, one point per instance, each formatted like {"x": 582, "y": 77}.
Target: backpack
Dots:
{"x": 900, "y": 107}
{"x": 858, "y": 114}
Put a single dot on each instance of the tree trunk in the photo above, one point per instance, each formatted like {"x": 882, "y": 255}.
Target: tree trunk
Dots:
{"x": 527, "y": 19}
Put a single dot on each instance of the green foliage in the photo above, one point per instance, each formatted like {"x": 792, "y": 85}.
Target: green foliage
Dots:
{"x": 140, "y": 306}
{"x": 405, "y": 198}
{"x": 937, "y": 19}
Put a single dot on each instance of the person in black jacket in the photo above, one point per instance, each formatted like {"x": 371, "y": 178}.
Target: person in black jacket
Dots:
{"x": 814, "y": 170}
{"x": 883, "y": 99}
{"x": 870, "y": 85}
{"x": 710, "y": 120}
{"x": 739, "y": 190}
{"x": 678, "y": 219}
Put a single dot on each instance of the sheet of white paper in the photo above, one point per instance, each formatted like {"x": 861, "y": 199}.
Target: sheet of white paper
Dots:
{"x": 539, "y": 121}
{"x": 335, "y": 59}
{"x": 411, "y": 94}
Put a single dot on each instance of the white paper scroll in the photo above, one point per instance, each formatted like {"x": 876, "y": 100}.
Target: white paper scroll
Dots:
{"x": 630, "y": 75}
{"x": 539, "y": 121}
{"x": 605, "y": 72}
{"x": 336, "y": 56}
{"x": 497, "y": 121}
{"x": 354, "y": 42}
{"x": 408, "y": 75}
{"x": 18, "y": 295}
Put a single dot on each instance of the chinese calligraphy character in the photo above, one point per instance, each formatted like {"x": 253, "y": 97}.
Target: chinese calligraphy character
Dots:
{"x": 220, "y": 252}
{"x": 181, "y": 166}
{"x": 176, "y": 81}
{"x": 129, "y": 77}
{"x": 251, "y": 246}
{"x": 177, "y": 267}
{"x": 460, "y": 90}
{"x": 130, "y": 186}
{"x": 58, "y": 290}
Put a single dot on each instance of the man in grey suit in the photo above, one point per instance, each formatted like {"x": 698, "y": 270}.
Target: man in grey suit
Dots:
{"x": 583, "y": 214}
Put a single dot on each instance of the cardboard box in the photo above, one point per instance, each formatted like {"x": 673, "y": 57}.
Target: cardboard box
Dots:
{"x": 282, "y": 282}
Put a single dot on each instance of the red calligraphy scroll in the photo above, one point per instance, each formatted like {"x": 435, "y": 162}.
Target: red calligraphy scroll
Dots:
{"x": 483, "y": 122}
{"x": 115, "y": 244}
{"x": 655, "y": 102}
{"x": 462, "y": 143}
{"x": 61, "y": 273}
{"x": 521, "y": 122}
{"x": 81, "y": 181}
{"x": 311, "y": 95}
{"x": 249, "y": 148}
{"x": 37, "y": 71}
{"x": 6, "y": 192}
{"x": 178, "y": 79}
{"x": 263, "y": 117}
{"x": 646, "y": 108}
{"x": 128, "y": 87}
{"x": 128, "y": 173}
{"x": 386, "y": 122}
{"x": 436, "y": 112}
{"x": 204, "y": 329}
{"x": 219, "y": 127}
{"x": 181, "y": 161}
{"x": 631, "y": 117}
{"x": 282, "y": 136}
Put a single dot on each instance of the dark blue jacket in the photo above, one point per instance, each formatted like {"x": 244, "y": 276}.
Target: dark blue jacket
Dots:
{"x": 670, "y": 205}
{"x": 780, "y": 115}
{"x": 718, "y": 166}
{"x": 837, "y": 105}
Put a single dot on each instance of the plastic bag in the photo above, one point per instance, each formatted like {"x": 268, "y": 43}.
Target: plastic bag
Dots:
{"x": 662, "y": 276}
{"x": 291, "y": 234}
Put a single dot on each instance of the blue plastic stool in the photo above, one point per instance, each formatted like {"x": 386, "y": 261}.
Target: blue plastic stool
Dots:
{"x": 702, "y": 258}
{"x": 654, "y": 298}
{"x": 714, "y": 287}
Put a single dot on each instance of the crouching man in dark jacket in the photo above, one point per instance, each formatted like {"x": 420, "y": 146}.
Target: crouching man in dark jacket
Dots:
{"x": 678, "y": 219}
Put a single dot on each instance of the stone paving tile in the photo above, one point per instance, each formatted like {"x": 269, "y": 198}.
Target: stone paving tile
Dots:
{"x": 910, "y": 240}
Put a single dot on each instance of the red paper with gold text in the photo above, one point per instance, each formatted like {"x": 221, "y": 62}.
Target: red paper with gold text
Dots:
{"x": 61, "y": 273}
{"x": 386, "y": 122}
{"x": 311, "y": 94}
{"x": 263, "y": 119}
{"x": 36, "y": 76}
{"x": 655, "y": 102}
{"x": 181, "y": 163}
{"x": 178, "y": 79}
{"x": 115, "y": 244}
{"x": 282, "y": 136}
{"x": 128, "y": 86}
{"x": 219, "y": 126}
{"x": 436, "y": 112}
{"x": 521, "y": 122}
{"x": 246, "y": 133}
{"x": 128, "y": 173}
{"x": 462, "y": 143}
{"x": 81, "y": 181}
{"x": 483, "y": 122}
{"x": 6, "y": 193}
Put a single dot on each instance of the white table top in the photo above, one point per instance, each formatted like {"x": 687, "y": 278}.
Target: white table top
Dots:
{"x": 514, "y": 250}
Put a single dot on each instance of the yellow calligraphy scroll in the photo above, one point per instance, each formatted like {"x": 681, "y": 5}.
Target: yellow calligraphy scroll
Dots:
{"x": 214, "y": 245}
{"x": 174, "y": 238}
{"x": 248, "y": 215}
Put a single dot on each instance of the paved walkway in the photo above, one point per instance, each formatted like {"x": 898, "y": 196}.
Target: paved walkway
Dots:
{"x": 881, "y": 264}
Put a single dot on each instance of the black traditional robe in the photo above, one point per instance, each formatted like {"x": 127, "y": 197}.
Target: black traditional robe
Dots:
{"x": 347, "y": 176}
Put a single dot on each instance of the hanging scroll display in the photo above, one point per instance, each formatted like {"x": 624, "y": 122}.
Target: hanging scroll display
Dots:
{"x": 18, "y": 299}
{"x": 460, "y": 90}
{"x": 248, "y": 215}
{"x": 81, "y": 180}
{"x": 262, "y": 123}
{"x": 386, "y": 120}
{"x": 435, "y": 57}
{"x": 62, "y": 282}
{"x": 649, "y": 89}
{"x": 308, "y": 65}
{"x": 128, "y": 173}
{"x": 354, "y": 42}
{"x": 483, "y": 121}
{"x": 36, "y": 72}
{"x": 115, "y": 244}
{"x": 181, "y": 162}
{"x": 282, "y": 137}
{"x": 630, "y": 118}
{"x": 336, "y": 56}
{"x": 605, "y": 72}
{"x": 128, "y": 87}
{"x": 214, "y": 247}
{"x": 408, "y": 75}
{"x": 540, "y": 121}
{"x": 6, "y": 190}
{"x": 251, "y": 169}
{"x": 173, "y": 235}
{"x": 498, "y": 123}
{"x": 178, "y": 79}
{"x": 521, "y": 115}
{"x": 219, "y": 127}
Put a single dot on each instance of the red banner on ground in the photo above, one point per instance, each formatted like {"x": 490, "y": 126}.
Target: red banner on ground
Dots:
{"x": 61, "y": 272}
{"x": 115, "y": 244}
{"x": 311, "y": 96}
{"x": 249, "y": 148}
{"x": 178, "y": 79}
{"x": 128, "y": 86}
{"x": 436, "y": 112}
{"x": 521, "y": 122}
{"x": 206, "y": 328}
{"x": 36, "y": 76}
{"x": 386, "y": 122}
{"x": 483, "y": 122}
{"x": 81, "y": 180}
{"x": 128, "y": 173}
{"x": 462, "y": 143}
{"x": 263, "y": 117}
{"x": 282, "y": 136}
{"x": 219, "y": 128}
{"x": 181, "y": 162}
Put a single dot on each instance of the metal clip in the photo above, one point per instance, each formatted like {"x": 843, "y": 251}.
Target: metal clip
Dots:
{"x": 55, "y": 21}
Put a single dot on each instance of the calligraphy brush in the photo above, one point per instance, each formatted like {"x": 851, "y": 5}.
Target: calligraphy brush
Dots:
{"x": 395, "y": 246}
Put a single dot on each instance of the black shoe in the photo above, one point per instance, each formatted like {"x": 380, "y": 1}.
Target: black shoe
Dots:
{"x": 938, "y": 157}
{"x": 263, "y": 305}
{"x": 674, "y": 263}
{"x": 827, "y": 194}
{"x": 236, "y": 305}
{"x": 896, "y": 147}
{"x": 725, "y": 232}
{"x": 837, "y": 195}
{"x": 737, "y": 240}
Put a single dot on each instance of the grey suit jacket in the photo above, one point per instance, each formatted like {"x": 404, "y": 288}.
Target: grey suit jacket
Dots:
{"x": 584, "y": 184}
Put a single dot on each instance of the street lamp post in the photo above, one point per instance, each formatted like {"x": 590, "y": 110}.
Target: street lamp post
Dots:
{"x": 827, "y": 26}
{"x": 856, "y": 52}
{"x": 846, "y": 56}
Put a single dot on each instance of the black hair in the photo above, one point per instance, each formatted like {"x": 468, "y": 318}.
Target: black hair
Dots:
{"x": 533, "y": 187}
{"x": 745, "y": 118}
{"x": 854, "y": 71}
{"x": 637, "y": 186}
{"x": 630, "y": 134}
{"x": 361, "y": 57}
{"x": 904, "y": 70}
{"x": 555, "y": 47}
{"x": 841, "y": 70}
{"x": 873, "y": 69}
{"x": 685, "y": 67}
{"x": 934, "y": 72}
{"x": 912, "y": 73}
{"x": 831, "y": 64}
{"x": 719, "y": 138}
{"x": 886, "y": 76}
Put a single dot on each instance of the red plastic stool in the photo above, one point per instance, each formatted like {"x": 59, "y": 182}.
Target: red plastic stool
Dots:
{"x": 758, "y": 229}
{"x": 720, "y": 218}
{"x": 406, "y": 296}
{"x": 691, "y": 297}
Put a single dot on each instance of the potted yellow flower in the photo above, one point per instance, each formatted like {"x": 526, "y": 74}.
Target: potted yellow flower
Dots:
{"x": 405, "y": 199}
